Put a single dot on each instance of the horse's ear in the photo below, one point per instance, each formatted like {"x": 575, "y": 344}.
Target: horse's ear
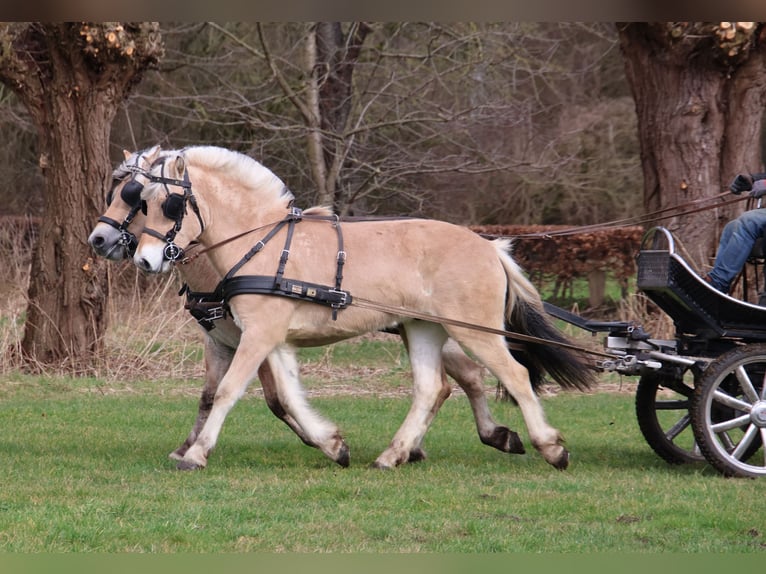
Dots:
{"x": 127, "y": 154}
{"x": 180, "y": 164}
{"x": 152, "y": 154}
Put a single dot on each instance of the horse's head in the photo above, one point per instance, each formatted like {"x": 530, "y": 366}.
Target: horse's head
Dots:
{"x": 167, "y": 194}
{"x": 114, "y": 236}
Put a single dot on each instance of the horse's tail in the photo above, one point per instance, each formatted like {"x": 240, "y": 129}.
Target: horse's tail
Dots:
{"x": 525, "y": 315}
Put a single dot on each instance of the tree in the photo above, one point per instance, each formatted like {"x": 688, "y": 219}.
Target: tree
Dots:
{"x": 72, "y": 78}
{"x": 699, "y": 91}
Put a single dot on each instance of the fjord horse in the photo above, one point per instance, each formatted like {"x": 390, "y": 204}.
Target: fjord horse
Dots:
{"x": 301, "y": 289}
{"x": 114, "y": 237}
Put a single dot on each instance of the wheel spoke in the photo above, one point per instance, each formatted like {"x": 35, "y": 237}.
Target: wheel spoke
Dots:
{"x": 729, "y": 401}
{"x": 747, "y": 385}
{"x": 747, "y": 439}
{"x": 672, "y": 405}
{"x": 678, "y": 428}
{"x": 682, "y": 389}
{"x": 736, "y": 422}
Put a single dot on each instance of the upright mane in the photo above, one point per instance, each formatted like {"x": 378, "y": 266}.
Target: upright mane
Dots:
{"x": 250, "y": 173}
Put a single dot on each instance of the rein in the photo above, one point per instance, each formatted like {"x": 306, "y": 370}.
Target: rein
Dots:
{"x": 307, "y": 216}
{"x": 657, "y": 215}
{"x": 394, "y": 310}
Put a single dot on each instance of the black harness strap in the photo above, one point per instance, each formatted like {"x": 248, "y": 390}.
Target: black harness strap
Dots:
{"x": 204, "y": 307}
{"x": 291, "y": 288}
{"x": 208, "y": 307}
{"x": 262, "y": 243}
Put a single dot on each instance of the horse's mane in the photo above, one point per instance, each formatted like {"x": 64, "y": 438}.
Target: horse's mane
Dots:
{"x": 251, "y": 173}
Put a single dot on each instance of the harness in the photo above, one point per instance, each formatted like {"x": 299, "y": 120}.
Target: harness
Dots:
{"x": 207, "y": 307}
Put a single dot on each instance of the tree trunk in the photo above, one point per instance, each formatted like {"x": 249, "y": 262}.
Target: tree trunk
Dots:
{"x": 72, "y": 78}
{"x": 333, "y": 69}
{"x": 699, "y": 90}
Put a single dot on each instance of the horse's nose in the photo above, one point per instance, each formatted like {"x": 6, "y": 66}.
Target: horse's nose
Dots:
{"x": 96, "y": 241}
{"x": 143, "y": 264}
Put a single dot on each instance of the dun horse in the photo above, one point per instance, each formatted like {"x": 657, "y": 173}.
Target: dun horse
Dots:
{"x": 307, "y": 287}
{"x": 114, "y": 237}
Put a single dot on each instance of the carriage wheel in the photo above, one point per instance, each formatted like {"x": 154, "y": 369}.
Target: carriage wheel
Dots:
{"x": 729, "y": 412}
{"x": 662, "y": 410}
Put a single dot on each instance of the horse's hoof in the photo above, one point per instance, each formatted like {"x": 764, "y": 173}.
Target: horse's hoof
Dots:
{"x": 505, "y": 440}
{"x": 416, "y": 455}
{"x": 177, "y": 454}
{"x": 189, "y": 465}
{"x": 344, "y": 456}
{"x": 380, "y": 466}
{"x": 563, "y": 461}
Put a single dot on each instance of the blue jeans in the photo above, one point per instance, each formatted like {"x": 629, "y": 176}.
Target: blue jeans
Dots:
{"x": 737, "y": 240}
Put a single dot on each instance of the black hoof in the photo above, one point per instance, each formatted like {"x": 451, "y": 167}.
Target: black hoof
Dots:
{"x": 505, "y": 440}
{"x": 416, "y": 455}
{"x": 344, "y": 457}
{"x": 186, "y": 465}
{"x": 377, "y": 466}
{"x": 563, "y": 461}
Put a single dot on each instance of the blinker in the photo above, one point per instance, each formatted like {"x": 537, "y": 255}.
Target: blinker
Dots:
{"x": 131, "y": 194}
{"x": 174, "y": 206}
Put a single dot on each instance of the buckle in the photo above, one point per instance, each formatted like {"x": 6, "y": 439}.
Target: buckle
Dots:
{"x": 342, "y": 298}
{"x": 215, "y": 313}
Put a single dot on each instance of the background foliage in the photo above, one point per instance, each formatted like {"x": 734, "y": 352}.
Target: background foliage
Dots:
{"x": 472, "y": 123}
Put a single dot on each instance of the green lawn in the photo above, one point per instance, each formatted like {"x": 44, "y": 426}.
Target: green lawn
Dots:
{"x": 85, "y": 470}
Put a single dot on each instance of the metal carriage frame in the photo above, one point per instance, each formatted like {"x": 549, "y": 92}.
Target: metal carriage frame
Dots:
{"x": 702, "y": 395}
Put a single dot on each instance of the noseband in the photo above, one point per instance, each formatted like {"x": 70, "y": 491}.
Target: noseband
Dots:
{"x": 174, "y": 208}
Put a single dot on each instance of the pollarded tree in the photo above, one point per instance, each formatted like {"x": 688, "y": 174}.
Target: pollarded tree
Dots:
{"x": 699, "y": 91}
{"x": 72, "y": 78}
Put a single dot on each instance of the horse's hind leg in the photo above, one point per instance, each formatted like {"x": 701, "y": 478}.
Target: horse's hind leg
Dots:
{"x": 492, "y": 352}
{"x": 468, "y": 375}
{"x": 424, "y": 342}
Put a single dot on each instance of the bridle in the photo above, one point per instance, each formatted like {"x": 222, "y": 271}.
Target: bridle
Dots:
{"x": 174, "y": 208}
{"x": 131, "y": 195}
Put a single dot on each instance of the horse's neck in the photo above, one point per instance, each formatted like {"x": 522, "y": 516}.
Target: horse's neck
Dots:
{"x": 224, "y": 223}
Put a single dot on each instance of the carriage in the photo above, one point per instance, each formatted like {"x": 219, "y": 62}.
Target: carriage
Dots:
{"x": 701, "y": 395}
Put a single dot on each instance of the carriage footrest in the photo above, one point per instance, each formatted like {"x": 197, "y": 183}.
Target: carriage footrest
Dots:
{"x": 586, "y": 324}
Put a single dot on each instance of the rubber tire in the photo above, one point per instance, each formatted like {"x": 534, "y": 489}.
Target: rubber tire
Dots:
{"x": 651, "y": 427}
{"x": 718, "y": 448}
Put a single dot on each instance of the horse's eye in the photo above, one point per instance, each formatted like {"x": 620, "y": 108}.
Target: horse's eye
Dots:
{"x": 174, "y": 206}
{"x": 131, "y": 193}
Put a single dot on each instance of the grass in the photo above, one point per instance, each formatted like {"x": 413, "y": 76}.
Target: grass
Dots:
{"x": 85, "y": 468}
{"x": 86, "y": 471}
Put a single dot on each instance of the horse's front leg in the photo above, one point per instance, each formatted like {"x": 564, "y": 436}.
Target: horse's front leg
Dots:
{"x": 270, "y": 368}
{"x": 424, "y": 342}
{"x": 250, "y": 353}
{"x": 290, "y": 395}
